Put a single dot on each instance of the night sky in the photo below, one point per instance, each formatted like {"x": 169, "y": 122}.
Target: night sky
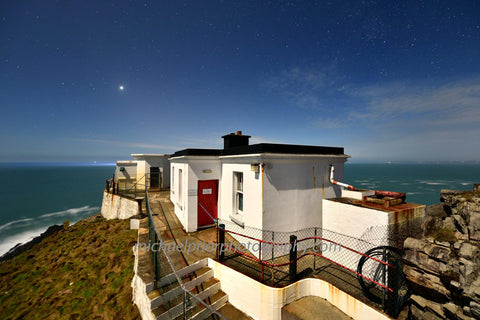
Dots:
{"x": 99, "y": 80}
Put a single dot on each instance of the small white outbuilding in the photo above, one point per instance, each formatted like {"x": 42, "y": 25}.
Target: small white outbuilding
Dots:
{"x": 276, "y": 187}
{"x": 153, "y": 169}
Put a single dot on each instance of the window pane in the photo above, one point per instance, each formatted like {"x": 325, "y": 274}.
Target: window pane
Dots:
{"x": 240, "y": 201}
{"x": 239, "y": 176}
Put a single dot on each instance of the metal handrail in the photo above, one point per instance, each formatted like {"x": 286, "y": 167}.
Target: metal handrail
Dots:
{"x": 170, "y": 262}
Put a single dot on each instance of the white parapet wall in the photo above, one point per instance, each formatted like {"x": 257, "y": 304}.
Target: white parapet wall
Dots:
{"x": 263, "y": 302}
{"x": 139, "y": 287}
{"x": 117, "y": 207}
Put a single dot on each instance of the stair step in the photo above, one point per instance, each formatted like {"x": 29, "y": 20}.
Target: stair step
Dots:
{"x": 190, "y": 282}
{"x": 174, "y": 307}
{"x": 216, "y": 301}
{"x": 170, "y": 278}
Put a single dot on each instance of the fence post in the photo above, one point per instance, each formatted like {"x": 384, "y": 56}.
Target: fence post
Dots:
{"x": 221, "y": 242}
{"x": 384, "y": 258}
{"x": 314, "y": 246}
{"x": 293, "y": 258}
{"x": 273, "y": 257}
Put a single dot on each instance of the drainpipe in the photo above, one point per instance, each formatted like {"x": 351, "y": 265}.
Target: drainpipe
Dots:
{"x": 332, "y": 170}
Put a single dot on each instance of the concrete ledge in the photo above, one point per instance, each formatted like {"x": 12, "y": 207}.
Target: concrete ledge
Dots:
{"x": 263, "y": 302}
{"x": 117, "y": 207}
{"x": 135, "y": 223}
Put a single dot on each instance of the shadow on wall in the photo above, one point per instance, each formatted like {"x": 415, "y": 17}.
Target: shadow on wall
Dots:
{"x": 309, "y": 177}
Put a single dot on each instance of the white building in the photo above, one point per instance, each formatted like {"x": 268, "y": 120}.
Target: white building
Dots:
{"x": 153, "y": 169}
{"x": 267, "y": 186}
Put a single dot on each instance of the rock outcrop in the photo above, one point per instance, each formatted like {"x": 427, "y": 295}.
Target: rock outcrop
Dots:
{"x": 443, "y": 267}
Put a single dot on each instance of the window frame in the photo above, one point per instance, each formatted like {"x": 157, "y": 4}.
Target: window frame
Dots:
{"x": 180, "y": 186}
{"x": 238, "y": 192}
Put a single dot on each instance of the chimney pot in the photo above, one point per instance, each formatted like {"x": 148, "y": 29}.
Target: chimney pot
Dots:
{"x": 239, "y": 133}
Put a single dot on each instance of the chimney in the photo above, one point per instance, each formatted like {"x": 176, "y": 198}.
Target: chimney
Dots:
{"x": 235, "y": 140}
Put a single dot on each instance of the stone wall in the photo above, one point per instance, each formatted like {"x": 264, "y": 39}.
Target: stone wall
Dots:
{"x": 443, "y": 267}
{"x": 115, "y": 206}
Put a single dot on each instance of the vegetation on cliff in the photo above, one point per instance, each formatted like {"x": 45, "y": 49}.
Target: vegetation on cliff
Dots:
{"x": 81, "y": 272}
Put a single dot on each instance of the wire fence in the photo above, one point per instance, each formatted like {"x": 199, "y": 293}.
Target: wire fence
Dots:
{"x": 280, "y": 258}
{"x": 133, "y": 189}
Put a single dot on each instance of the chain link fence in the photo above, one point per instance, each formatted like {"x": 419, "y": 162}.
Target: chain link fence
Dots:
{"x": 280, "y": 258}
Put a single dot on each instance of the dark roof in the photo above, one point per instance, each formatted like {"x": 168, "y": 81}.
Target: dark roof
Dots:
{"x": 261, "y": 148}
{"x": 198, "y": 152}
{"x": 282, "y": 148}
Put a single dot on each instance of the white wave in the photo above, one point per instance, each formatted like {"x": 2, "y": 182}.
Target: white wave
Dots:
{"x": 8, "y": 224}
{"x": 465, "y": 183}
{"x": 432, "y": 183}
{"x": 86, "y": 209}
{"x": 72, "y": 211}
{"x": 10, "y": 242}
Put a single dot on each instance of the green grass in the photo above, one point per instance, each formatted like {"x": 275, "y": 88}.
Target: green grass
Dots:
{"x": 445, "y": 234}
{"x": 82, "y": 272}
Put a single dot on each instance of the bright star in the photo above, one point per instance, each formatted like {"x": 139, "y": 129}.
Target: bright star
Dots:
{"x": 121, "y": 88}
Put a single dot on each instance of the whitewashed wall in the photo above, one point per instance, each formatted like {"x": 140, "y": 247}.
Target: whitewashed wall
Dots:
{"x": 178, "y": 199}
{"x": 294, "y": 187}
{"x": 252, "y": 192}
{"x": 353, "y": 221}
{"x": 194, "y": 168}
{"x": 152, "y": 160}
{"x": 127, "y": 177}
{"x": 130, "y": 170}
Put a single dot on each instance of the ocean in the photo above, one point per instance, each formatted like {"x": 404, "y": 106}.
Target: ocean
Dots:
{"x": 34, "y": 197}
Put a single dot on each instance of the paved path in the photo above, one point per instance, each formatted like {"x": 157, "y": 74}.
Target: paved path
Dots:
{"x": 172, "y": 234}
{"x": 309, "y": 308}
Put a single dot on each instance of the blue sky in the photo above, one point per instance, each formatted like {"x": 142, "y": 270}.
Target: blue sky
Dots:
{"x": 386, "y": 80}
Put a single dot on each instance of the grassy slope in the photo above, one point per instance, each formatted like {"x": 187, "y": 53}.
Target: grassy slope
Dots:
{"x": 83, "y": 272}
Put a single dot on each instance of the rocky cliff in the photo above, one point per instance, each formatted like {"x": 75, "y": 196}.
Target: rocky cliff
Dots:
{"x": 443, "y": 266}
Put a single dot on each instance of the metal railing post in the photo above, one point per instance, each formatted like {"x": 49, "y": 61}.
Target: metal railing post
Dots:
{"x": 384, "y": 258}
{"x": 273, "y": 257}
{"x": 314, "y": 246}
{"x": 260, "y": 259}
{"x": 293, "y": 258}
{"x": 221, "y": 242}
{"x": 184, "y": 305}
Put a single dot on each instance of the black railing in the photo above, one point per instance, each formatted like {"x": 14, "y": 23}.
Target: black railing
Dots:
{"x": 164, "y": 267}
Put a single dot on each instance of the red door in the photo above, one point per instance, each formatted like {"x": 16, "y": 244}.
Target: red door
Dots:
{"x": 207, "y": 208}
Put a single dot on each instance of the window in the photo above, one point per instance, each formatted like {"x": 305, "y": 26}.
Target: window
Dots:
{"x": 180, "y": 185}
{"x": 238, "y": 191}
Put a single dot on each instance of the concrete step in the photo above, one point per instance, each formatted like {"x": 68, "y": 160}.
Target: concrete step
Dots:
{"x": 174, "y": 307}
{"x": 170, "y": 278}
{"x": 216, "y": 301}
{"x": 171, "y": 291}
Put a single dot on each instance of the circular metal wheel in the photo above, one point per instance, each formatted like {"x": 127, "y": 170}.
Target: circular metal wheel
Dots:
{"x": 377, "y": 271}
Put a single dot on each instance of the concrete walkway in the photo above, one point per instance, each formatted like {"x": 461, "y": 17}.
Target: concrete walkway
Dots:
{"x": 312, "y": 308}
{"x": 172, "y": 233}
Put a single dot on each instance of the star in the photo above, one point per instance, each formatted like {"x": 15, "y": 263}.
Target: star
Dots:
{"x": 121, "y": 88}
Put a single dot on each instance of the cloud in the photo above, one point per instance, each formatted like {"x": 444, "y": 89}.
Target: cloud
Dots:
{"x": 306, "y": 88}
{"x": 410, "y": 118}
{"x": 451, "y": 103}
{"x": 126, "y": 143}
